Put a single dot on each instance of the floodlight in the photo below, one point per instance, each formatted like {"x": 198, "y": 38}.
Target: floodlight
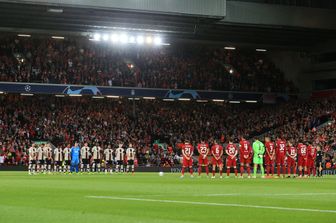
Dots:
{"x": 140, "y": 39}
{"x": 123, "y": 38}
{"x": 96, "y": 37}
{"x": 157, "y": 40}
{"x": 131, "y": 39}
{"x": 105, "y": 37}
{"x": 114, "y": 38}
{"x": 149, "y": 39}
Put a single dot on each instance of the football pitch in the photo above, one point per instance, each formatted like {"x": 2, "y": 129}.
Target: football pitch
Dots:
{"x": 147, "y": 197}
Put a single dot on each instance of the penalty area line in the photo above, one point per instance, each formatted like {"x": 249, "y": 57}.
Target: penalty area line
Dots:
{"x": 212, "y": 204}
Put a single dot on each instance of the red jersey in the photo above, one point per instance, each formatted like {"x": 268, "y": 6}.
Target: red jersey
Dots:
{"x": 231, "y": 150}
{"x": 281, "y": 148}
{"x": 217, "y": 150}
{"x": 245, "y": 148}
{"x": 203, "y": 149}
{"x": 302, "y": 150}
{"x": 270, "y": 149}
{"x": 312, "y": 152}
{"x": 291, "y": 151}
{"x": 188, "y": 150}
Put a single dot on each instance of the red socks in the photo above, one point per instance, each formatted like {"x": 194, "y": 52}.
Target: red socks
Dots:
{"x": 284, "y": 170}
{"x": 200, "y": 170}
{"x": 241, "y": 170}
{"x": 278, "y": 170}
{"x": 249, "y": 170}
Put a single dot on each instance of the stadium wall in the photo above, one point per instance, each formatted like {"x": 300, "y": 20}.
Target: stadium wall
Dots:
{"x": 294, "y": 65}
{"x": 53, "y": 89}
{"x": 324, "y": 75}
{"x": 279, "y": 15}
{"x": 304, "y": 69}
{"x": 323, "y": 66}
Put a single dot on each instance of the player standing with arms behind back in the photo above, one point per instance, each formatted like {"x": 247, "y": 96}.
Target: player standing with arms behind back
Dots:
{"x": 187, "y": 152}
{"x": 245, "y": 156}
{"x": 231, "y": 161}
{"x": 40, "y": 158}
{"x": 203, "y": 150}
{"x": 258, "y": 154}
{"x": 108, "y": 153}
{"x": 58, "y": 158}
{"x": 32, "y": 159}
{"x": 269, "y": 156}
{"x": 96, "y": 156}
{"x": 130, "y": 153}
{"x": 67, "y": 159}
{"x": 217, "y": 153}
{"x": 75, "y": 157}
{"x": 49, "y": 157}
{"x": 85, "y": 156}
{"x": 119, "y": 157}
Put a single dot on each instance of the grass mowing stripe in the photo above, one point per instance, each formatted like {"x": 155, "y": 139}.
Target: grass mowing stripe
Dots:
{"x": 213, "y": 204}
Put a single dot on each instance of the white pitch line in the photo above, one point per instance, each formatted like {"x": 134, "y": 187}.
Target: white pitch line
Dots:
{"x": 213, "y": 204}
{"x": 296, "y": 194}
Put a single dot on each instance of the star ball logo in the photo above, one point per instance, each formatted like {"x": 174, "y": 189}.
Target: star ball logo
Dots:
{"x": 27, "y": 88}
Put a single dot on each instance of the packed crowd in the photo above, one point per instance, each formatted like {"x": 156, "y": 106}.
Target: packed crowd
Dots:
{"x": 81, "y": 61}
{"x": 66, "y": 120}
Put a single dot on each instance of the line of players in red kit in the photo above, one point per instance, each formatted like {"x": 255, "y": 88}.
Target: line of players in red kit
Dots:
{"x": 282, "y": 154}
{"x": 288, "y": 157}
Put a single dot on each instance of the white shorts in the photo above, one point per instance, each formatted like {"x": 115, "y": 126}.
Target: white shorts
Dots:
{"x": 2, "y": 159}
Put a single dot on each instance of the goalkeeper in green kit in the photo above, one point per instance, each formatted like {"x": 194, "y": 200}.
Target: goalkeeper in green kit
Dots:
{"x": 258, "y": 154}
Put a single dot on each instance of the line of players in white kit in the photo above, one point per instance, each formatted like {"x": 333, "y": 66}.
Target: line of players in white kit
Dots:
{"x": 44, "y": 159}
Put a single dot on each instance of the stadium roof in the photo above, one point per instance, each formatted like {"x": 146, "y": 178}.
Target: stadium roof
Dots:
{"x": 327, "y": 4}
{"x": 74, "y": 20}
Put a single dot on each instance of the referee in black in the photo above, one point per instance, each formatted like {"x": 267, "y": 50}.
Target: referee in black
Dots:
{"x": 318, "y": 161}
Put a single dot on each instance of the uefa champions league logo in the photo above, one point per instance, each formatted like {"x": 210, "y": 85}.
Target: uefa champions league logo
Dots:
{"x": 90, "y": 90}
{"x": 27, "y": 88}
{"x": 182, "y": 93}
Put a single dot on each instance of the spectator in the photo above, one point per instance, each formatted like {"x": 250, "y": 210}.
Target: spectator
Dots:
{"x": 65, "y": 120}
{"x": 79, "y": 61}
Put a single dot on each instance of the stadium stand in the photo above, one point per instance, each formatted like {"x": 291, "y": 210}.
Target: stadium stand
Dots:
{"x": 107, "y": 121}
{"x": 80, "y": 61}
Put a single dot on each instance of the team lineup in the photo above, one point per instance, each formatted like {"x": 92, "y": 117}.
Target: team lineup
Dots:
{"x": 282, "y": 155}
{"x": 43, "y": 159}
{"x": 287, "y": 158}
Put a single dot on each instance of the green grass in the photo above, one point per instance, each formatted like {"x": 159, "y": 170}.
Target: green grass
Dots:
{"x": 64, "y": 198}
